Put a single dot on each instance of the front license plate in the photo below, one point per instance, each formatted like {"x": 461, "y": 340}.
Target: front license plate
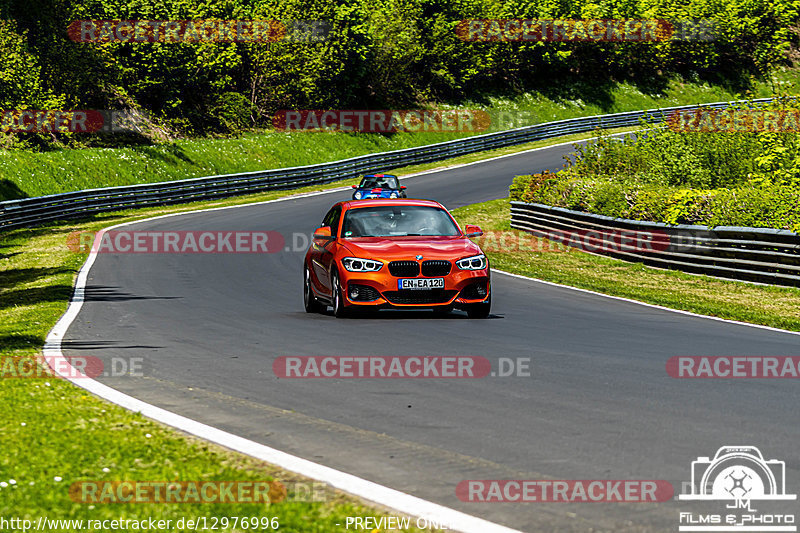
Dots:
{"x": 421, "y": 283}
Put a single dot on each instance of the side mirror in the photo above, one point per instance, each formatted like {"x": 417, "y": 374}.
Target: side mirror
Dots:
{"x": 403, "y": 187}
{"x": 470, "y": 230}
{"x": 354, "y": 186}
{"x": 323, "y": 232}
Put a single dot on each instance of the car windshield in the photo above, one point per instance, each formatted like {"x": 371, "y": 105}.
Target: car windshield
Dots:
{"x": 379, "y": 182}
{"x": 398, "y": 221}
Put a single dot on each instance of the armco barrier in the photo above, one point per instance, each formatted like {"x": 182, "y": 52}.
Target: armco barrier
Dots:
{"x": 41, "y": 209}
{"x": 753, "y": 254}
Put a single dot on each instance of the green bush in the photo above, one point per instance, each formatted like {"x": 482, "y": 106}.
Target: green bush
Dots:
{"x": 716, "y": 179}
{"x": 664, "y": 157}
{"x": 378, "y": 53}
{"x": 769, "y": 205}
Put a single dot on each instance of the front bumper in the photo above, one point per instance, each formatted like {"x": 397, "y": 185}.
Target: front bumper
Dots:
{"x": 380, "y": 290}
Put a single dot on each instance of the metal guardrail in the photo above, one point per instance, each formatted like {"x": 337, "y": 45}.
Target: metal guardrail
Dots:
{"x": 42, "y": 209}
{"x": 753, "y": 254}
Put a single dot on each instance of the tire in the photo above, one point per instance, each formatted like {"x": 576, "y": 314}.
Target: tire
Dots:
{"x": 310, "y": 301}
{"x": 339, "y": 309}
{"x": 481, "y": 310}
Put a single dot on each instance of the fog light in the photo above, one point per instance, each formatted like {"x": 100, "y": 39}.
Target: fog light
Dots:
{"x": 480, "y": 290}
{"x": 353, "y": 293}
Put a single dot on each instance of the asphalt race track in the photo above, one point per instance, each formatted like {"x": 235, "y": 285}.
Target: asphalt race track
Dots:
{"x": 598, "y": 404}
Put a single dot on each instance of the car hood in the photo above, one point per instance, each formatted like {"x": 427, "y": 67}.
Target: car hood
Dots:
{"x": 392, "y": 249}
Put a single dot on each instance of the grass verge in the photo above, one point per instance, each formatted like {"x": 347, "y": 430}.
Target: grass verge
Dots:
{"x": 771, "y": 306}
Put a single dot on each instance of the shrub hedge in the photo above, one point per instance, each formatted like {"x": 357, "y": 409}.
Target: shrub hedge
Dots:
{"x": 713, "y": 179}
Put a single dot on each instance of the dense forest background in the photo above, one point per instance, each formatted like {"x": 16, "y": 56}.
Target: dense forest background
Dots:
{"x": 379, "y": 54}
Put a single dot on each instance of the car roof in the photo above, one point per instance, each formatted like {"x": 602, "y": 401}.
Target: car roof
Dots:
{"x": 358, "y": 204}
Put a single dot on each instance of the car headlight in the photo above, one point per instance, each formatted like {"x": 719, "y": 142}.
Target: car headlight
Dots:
{"x": 476, "y": 262}
{"x": 358, "y": 195}
{"x": 393, "y": 195}
{"x": 356, "y": 264}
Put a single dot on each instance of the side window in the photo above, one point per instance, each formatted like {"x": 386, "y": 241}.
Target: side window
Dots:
{"x": 327, "y": 218}
{"x": 335, "y": 222}
{"x": 332, "y": 219}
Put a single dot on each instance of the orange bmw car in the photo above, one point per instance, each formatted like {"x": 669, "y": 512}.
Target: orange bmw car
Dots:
{"x": 373, "y": 254}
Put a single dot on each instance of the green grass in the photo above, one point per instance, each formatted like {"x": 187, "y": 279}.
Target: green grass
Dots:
{"x": 771, "y": 306}
{"x": 35, "y": 174}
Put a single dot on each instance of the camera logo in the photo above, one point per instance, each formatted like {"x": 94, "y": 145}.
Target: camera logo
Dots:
{"x": 738, "y": 475}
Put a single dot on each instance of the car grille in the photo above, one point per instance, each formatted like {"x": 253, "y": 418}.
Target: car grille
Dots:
{"x": 435, "y": 267}
{"x": 365, "y": 293}
{"x": 404, "y": 269}
{"x": 475, "y": 291}
{"x": 419, "y": 297}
